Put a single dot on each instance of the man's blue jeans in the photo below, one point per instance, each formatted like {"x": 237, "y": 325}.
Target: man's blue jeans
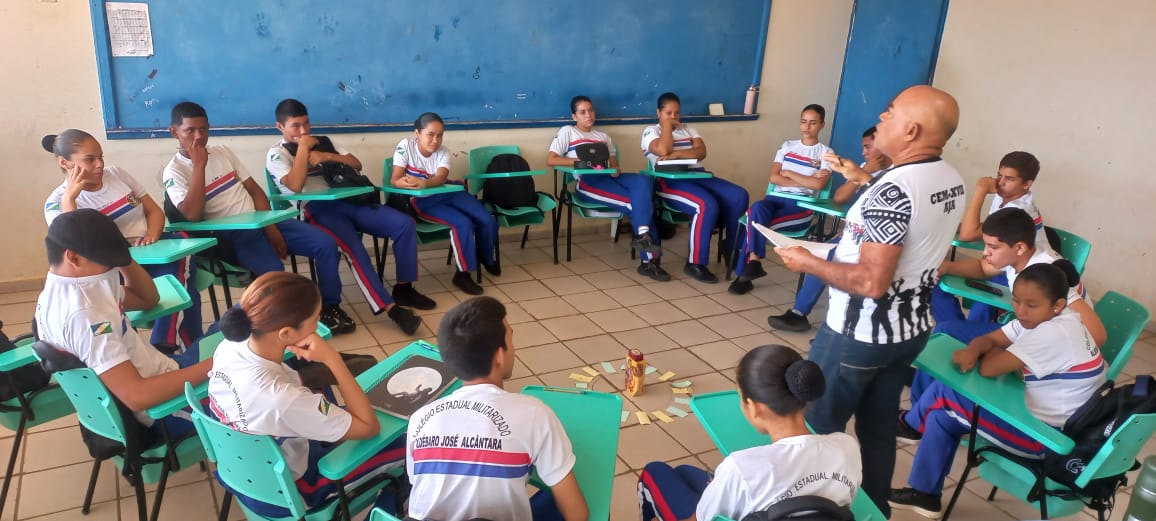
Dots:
{"x": 864, "y": 380}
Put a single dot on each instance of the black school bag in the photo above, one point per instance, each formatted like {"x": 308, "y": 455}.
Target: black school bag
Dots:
{"x": 340, "y": 175}
{"x": 1091, "y": 426}
{"x": 509, "y": 192}
{"x": 22, "y": 380}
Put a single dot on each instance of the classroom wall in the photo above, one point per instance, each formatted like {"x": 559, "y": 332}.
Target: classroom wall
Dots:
{"x": 52, "y": 84}
{"x": 1070, "y": 83}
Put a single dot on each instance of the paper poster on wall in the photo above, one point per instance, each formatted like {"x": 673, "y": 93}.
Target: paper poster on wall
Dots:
{"x": 129, "y": 30}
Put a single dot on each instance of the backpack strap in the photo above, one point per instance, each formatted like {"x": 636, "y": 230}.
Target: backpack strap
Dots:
{"x": 803, "y": 508}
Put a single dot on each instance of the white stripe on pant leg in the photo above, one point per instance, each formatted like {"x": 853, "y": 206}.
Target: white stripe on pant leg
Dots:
{"x": 991, "y": 438}
{"x": 692, "y": 250}
{"x": 605, "y": 200}
{"x": 360, "y": 283}
{"x": 788, "y": 224}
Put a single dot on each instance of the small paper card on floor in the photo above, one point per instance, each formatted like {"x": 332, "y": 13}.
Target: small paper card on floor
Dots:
{"x": 684, "y": 390}
{"x": 625, "y": 415}
{"x": 590, "y": 371}
{"x": 642, "y": 417}
{"x": 684, "y": 401}
{"x": 676, "y": 411}
{"x": 666, "y": 376}
{"x": 818, "y": 249}
{"x": 682, "y": 384}
{"x": 651, "y": 369}
{"x": 582, "y": 385}
{"x": 662, "y": 416}
{"x": 622, "y": 367}
{"x": 608, "y": 367}
{"x": 581, "y": 377}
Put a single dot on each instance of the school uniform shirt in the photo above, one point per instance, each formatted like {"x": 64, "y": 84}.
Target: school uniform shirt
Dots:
{"x": 569, "y": 138}
{"x": 750, "y": 480}
{"x": 279, "y": 162}
{"x": 224, "y": 177}
{"x": 1046, "y": 256}
{"x": 917, "y": 206}
{"x": 470, "y": 454}
{"x": 119, "y": 197}
{"x": 1062, "y": 365}
{"x": 1027, "y": 204}
{"x": 84, "y": 316}
{"x": 801, "y": 159}
{"x": 683, "y": 136}
{"x": 257, "y": 396}
{"x": 407, "y": 155}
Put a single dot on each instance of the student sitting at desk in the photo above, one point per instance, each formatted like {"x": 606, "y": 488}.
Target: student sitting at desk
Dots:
{"x": 343, "y": 221}
{"x": 253, "y": 391}
{"x": 89, "y": 183}
{"x": 422, "y": 162}
{"x": 799, "y": 168}
{"x": 704, "y": 200}
{"x": 1061, "y": 367}
{"x": 81, "y": 311}
{"x": 207, "y": 181}
{"x": 470, "y": 454}
{"x": 775, "y": 384}
{"x": 629, "y": 194}
{"x": 857, "y": 179}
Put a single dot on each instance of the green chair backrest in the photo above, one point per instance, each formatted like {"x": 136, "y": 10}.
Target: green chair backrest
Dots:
{"x": 1119, "y": 453}
{"x": 377, "y": 514}
{"x": 386, "y": 171}
{"x": 1124, "y": 319}
{"x": 273, "y": 192}
{"x": 480, "y": 157}
{"x": 249, "y": 464}
{"x": 1074, "y": 248}
{"x": 95, "y": 407}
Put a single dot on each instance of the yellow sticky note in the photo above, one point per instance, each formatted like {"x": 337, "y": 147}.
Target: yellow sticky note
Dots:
{"x": 662, "y": 416}
{"x": 666, "y": 376}
{"x": 642, "y": 417}
{"x": 590, "y": 371}
{"x": 685, "y": 390}
{"x": 581, "y": 377}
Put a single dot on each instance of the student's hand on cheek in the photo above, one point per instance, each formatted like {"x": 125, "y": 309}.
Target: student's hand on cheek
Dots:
{"x": 75, "y": 179}
{"x": 313, "y": 349}
{"x": 306, "y": 142}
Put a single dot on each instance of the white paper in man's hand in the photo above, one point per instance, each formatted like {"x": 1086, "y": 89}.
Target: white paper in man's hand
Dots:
{"x": 818, "y": 249}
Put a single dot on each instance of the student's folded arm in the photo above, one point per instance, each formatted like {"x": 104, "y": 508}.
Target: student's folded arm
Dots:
{"x": 569, "y": 498}
{"x": 968, "y": 268}
{"x": 397, "y": 175}
{"x": 154, "y": 216}
{"x": 661, "y": 146}
{"x": 813, "y": 182}
{"x": 294, "y": 179}
{"x": 260, "y": 200}
{"x": 998, "y": 362}
{"x": 779, "y": 177}
{"x": 140, "y": 292}
{"x": 696, "y": 151}
{"x": 553, "y": 159}
{"x": 970, "y": 228}
{"x": 138, "y": 393}
{"x": 439, "y": 178}
{"x": 348, "y": 159}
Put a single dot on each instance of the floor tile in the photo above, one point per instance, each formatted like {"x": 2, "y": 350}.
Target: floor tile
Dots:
{"x": 596, "y": 349}
{"x": 591, "y": 302}
{"x": 516, "y": 314}
{"x": 681, "y": 361}
{"x": 659, "y": 313}
{"x": 632, "y": 296}
{"x": 549, "y": 307}
{"x": 723, "y": 354}
{"x": 738, "y": 302}
{"x": 699, "y": 306}
{"x": 730, "y": 325}
{"x": 62, "y": 488}
{"x": 711, "y": 459}
{"x": 689, "y": 333}
{"x": 193, "y": 501}
{"x": 615, "y": 320}
{"x": 568, "y": 285}
{"x": 642, "y": 444}
{"x": 648, "y": 340}
{"x": 605, "y": 280}
{"x": 674, "y": 289}
{"x": 546, "y": 270}
{"x": 587, "y": 265}
{"x": 576, "y": 326}
{"x": 532, "y": 334}
{"x": 550, "y": 357}
{"x": 624, "y": 497}
{"x": 55, "y": 448}
{"x": 527, "y": 290}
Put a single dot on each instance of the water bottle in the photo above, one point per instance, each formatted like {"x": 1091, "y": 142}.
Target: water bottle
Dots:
{"x": 1142, "y": 506}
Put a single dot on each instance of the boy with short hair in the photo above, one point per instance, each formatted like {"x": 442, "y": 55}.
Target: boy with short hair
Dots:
{"x": 341, "y": 220}
{"x": 1011, "y": 187}
{"x": 81, "y": 311}
{"x": 519, "y": 433}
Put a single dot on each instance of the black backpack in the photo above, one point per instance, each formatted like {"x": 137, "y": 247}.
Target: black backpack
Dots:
{"x": 803, "y": 508}
{"x": 21, "y": 380}
{"x": 340, "y": 175}
{"x": 509, "y": 192}
{"x": 1091, "y": 426}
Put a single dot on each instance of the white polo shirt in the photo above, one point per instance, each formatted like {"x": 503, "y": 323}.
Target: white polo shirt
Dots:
{"x": 119, "y": 197}
{"x": 1062, "y": 365}
{"x": 408, "y": 156}
{"x": 801, "y": 159}
{"x": 225, "y": 194}
{"x": 683, "y": 136}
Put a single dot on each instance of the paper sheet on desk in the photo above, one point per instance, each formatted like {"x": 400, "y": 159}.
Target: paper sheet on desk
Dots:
{"x": 818, "y": 249}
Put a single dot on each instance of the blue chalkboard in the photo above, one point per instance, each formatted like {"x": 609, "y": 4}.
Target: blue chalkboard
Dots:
{"x": 361, "y": 64}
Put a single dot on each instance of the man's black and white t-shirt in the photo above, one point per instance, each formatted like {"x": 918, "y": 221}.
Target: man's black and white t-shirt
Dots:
{"x": 917, "y": 206}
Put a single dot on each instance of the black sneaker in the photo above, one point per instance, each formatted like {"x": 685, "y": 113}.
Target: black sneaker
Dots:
{"x": 404, "y": 294}
{"x": 740, "y": 287}
{"x": 926, "y": 505}
{"x": 494, "y": 269}
{"x": 465, "y": 282}
{"x": 653, "y": 270}
{"x": 904, "y": 431}
{"x": 699, "y": 273}
{"x": 753, "y": 270}
{"x": 790, "y": 321}
{"x": 645, "y": 243}
{"x": 404, "y": 318}
{"x": 338, "y": 322}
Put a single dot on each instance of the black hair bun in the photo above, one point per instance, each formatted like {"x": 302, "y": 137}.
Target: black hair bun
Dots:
{"x": 235, "y": 324}
{"x": 805, "y": 380}
{"x": 1069, "y": 270}
{"x": 48, "y": 142}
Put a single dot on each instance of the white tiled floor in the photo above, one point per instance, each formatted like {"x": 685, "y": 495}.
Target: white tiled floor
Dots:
{"x": 566, "y": 316}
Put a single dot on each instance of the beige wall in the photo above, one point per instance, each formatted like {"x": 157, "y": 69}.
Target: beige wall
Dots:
{"x": 1072, "y": 84}
{"x": 52, "y": 84}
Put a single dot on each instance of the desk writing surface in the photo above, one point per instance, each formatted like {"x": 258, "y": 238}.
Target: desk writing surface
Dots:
{"x": 827, "y": 206}
{"x": 955, "y": 285}
{"x": 418, "y": 192}
{"x": 173, "y": 298}
{"x": 331, "y": 194}
{"x": 165, "y": 251}
{"x": 242, "y": 221}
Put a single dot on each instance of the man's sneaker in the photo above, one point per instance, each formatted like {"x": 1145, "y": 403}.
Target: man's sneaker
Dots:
{"x": 926, "y": 505}
{"x": 404, "y": 318}
{"x": 494, "y": 269}
{"x": 904, "y": 431}
{"x": 338, "y": 322}
{"x": 645, "y": 243}
{"x": 753, "y": 270}
{"x": 653, "y": 270}
{"x": 740, "y": 287}
{"x": 790, "y": 321}
{"x": 699, "y": 273}
{"x": 404, "y": 294}
{"x": 465, "y": 282}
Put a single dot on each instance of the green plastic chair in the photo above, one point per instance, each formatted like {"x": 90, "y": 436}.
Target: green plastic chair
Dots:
{"x": 672, "y": 215}
{"x": 1124, "y": 319}
{"x": 823, "y": 195}
{"x": 104, "y": 415}
{"x": 254, "y": 466}
{"x": 427, "y": 231}
{"x": 524, "y": 216}
{"x": 1074, "y": 248}
{"x": 27, "y": 410}
{"x": 377, "y": 514}
{"x": 572, "y": 204}
{"x": 722, "y": 418}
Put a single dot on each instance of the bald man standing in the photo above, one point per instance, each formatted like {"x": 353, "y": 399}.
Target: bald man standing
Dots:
{"x": 881, "y": 275}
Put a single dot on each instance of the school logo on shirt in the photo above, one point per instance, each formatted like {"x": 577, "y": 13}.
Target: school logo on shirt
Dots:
{"x": 275, "y": 157}
{"x": 132, "y": 200}
{"x": 323, "y": 406}
{"x": 169, "y": 182}
{"x": 52, "y": 207}
{"x": 400, "y": 150}
{"x": 102, "y": 328}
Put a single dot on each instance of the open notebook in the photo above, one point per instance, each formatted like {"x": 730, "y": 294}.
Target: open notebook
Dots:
{"x": 416, "y": 382}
